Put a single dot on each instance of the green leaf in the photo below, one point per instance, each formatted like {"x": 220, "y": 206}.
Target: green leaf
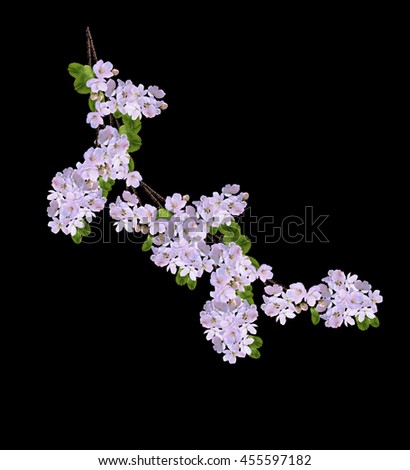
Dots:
{"x": 117, "y": 114}
{"x": 213, "y": 230}
{"x": 374, "y": 322}
{"x": 135, "y": 142}
{"x": 75, "y": 69}
{"x": 247, "y": 294}
{"x": 363, "y": 325}
{"x": 181, "y": 280}
{"x": 131, "y": 124}
{"x": 106, "y": 186}
{"x": 191, "y": 284}
{"x": 315, "y": 317}
{"x": 244, "y": 295}
{"x": 231, "y": 233}
{"x": 91, "y": 104}
{"x": 233, "y": 228}
{"x": 82, "y": 79}
{"x": 164, "y": 214}
{"x": 254, "y": 262}
{"x": 146, "y": 246}
{"x": 77, "y": 237}
{"x": 86, "y": 230}
{"x": 133, "y": 138}
{"x": 257, "y": 342}
{"x": 255, "y": 354}
{"x": 131, "y": 165}
{"x": 244, "y": 242}
{"x": 231, "y": 238}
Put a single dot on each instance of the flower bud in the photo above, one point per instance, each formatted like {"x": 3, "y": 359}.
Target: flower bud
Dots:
{"x": 186, "y": 197}
{"x": 115, "y": 72}
{"x": 245, "y": 196}
{"x": 304, "y": 306}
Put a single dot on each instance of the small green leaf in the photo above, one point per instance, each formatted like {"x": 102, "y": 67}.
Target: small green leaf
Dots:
{"x": 106, "y": 186}
{"x": 255, "y": 354}
{"x": 146, "y": 246}
{"x": 181, "y": 280}
{"x": 254, "y": 262}
{"x": 80, "y": 83}
{"x": 245, "y": 295}
{"x": 131, "y": 164}
{"x": 374, "y": 322}
{"x": 231, "y": 238}
{"x": 131, "y": 124}
{"x": 233, "y": 228}
{"x": 86, "y": 230}
{"x": 257, "y": 342}
{"x": 133, "y": 138}
{"x": 164, "y": 214}
{"x": 363, "y": 325}
{"x": 191, "y": 284}
{"x": 244, "y": 242}
{"x": 315, "y": 317}
{"x": 75, "y": 69}
{"x": 77, "y": 237}
{"x": 91, "y": 104}
{"x": 117, "y": 114}
{"x": 213, "y": 230}
{"x": 232, "y": 232}
{"x": 135, "y": 142}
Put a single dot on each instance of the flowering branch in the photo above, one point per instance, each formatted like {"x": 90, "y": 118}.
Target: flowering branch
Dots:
{"x": 188, "y": 240}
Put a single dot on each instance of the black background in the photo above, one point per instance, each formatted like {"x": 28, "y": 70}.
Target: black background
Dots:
{"x": 104, "y": 350}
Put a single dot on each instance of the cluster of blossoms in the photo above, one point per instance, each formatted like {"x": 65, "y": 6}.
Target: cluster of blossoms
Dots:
{"x": 228, "y": 318}
{"x": 228, "y": 326}
{"x": 124, "y": 97}
{"x": 340, "y": 299}
{"x": 77, "y": 194}
{"x": 179, "y": 244}
{"x": 71, "y": 201}
{"x": 190, "y": 240}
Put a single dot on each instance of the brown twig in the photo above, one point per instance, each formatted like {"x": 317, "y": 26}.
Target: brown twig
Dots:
{"x": 91, "y": 52}
{"x": 152, "y": 194}
{"x": 161, "y": 198}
